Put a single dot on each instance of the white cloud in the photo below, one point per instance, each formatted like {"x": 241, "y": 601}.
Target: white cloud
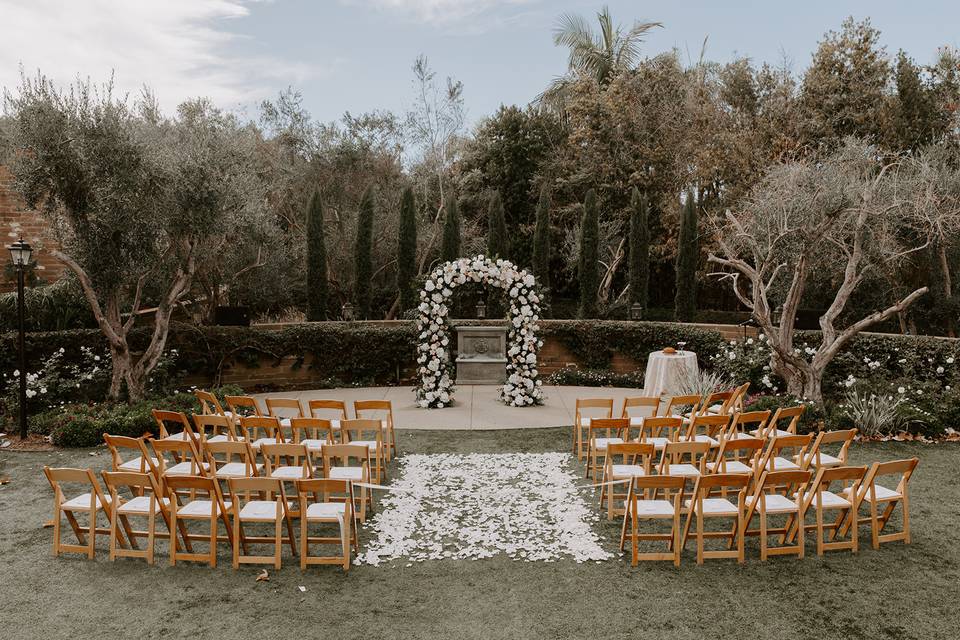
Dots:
{"x": 443, "y": 12}
{"x": 179, "y": 48}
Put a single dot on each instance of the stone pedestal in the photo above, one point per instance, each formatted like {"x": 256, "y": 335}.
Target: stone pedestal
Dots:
{"x": 481, "y": 355}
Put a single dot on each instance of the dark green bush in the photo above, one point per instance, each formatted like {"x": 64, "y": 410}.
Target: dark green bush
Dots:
{"x": 572, "y": 376}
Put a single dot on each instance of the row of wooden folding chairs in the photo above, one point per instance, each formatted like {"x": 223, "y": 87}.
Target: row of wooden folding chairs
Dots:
{"x": 258, "y": 430}
{"x": 637, "y": 408}
{"x": 335, "y": 411}
{"x": 762, "y": 500}
{"x": 252, "y": 500}
{"x": 624, "y": 457}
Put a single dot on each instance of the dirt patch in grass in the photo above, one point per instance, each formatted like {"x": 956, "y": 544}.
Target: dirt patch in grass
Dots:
{"x": 897, "y": 592}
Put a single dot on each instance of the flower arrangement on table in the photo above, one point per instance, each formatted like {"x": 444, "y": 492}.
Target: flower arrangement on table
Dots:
{"x": 434, "y": 363}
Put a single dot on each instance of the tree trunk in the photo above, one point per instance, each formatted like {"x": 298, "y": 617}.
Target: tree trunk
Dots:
{"x": 121, "y": 364}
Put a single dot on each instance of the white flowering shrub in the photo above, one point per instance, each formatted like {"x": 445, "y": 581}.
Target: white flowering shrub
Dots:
{"x": 434, "y": 362}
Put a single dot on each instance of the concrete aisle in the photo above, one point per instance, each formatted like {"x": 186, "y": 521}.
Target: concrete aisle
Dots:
{"x": 474, "y": 407}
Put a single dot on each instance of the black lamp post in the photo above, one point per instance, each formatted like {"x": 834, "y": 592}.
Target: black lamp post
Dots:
{"x": 481, "y": 310}
{"x": 20, "y": 254}
{"x": 347, "y": 312}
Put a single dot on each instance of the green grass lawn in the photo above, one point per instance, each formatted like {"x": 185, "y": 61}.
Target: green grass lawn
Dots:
{"x": 899, "y": 591}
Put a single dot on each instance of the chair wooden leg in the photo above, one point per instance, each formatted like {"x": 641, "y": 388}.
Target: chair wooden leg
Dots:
{"x": 56, "y": 532}
{"x": 763, "y": 534}
{"x": 304, "y": 543}
{"x": 213, "y": 542}
{"x": 699, "y": 539}
{"x": 236, "y": 542}
{"x": 151, "y": 533}
{"x": 277, "y": 543}
{"x": 174, "y": 542}
{"x": 91, "y": 541}
{"x": 741, "y": 556}
{"x": 345, "y": 535}
{"x": 874, "y": 526}
{"x": 113, "y": 536}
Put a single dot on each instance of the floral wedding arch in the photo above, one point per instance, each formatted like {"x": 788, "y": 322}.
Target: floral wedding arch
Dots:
{"x": 522, "y": 386}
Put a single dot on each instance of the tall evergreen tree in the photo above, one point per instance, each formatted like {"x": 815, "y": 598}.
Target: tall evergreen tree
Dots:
{"x": 589, "y": 256}
{"x": 541, "y": 241}
{"x": 688, "y": 251}
{"x": 363, "y": 253}
{"x": 497, "y": 242}
{"x": 317, "y": 287}
{"x": 450, "y": 247}
{"x": 639, "y": 248}
{"x": 407, "y": 250}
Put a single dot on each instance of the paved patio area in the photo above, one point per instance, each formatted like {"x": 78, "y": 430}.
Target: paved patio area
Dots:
{"x": 474, "y": 407}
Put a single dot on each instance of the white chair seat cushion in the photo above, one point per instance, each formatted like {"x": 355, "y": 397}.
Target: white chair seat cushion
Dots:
{"x": 686, "y": 470}
{"x": 777, "y": 503}
{"x": 369, "y": 444}
{"x": 830, "y": 501}
{"x": 731, "y": 466}
{"x": 313, "y": 444}
{"x": 260, "y": 511}
{"x": 134, "y": 465}
{"x": 335, "y": 424}
{"x": 701, "y": 438}
{"x": 141, "y": 505}
{"x": 289, "y": 472}
{"x": 627, "y": 470}
{"x": 739, "y": 435}
{"x": 186, "y": 469}
{"x": 261, "y": 441}
{"x": 657, "y": 442}
{"x": 714, "y": 408}
{"x": 176, "y": 437}
{"x": 655, "y": 509}
{"x": 600, "y": 444}
{"x": 235, "y": 470}
{"x": 82, "y": 503}
{"x": 883, "y": 494}
{"x": 826, "y": 460}
{"x": 219, "y": 438}
{"x": 782, "y": 464}
{"x": 201, "y": 508}
{"x": 715, "y": 506}
{"x": 636, "y": 421}
{"x": 326, "y": 511}
{"x": 685, "y": 418}
{"x": 346, "y": 473}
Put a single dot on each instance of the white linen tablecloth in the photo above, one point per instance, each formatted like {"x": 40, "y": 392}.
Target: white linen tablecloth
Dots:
{"x": 665, "y": 370}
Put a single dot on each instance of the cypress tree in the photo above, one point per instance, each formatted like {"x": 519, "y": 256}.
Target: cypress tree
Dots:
{"x": 589, "y": 254}
{"x": 317, "y": 287}
{"x": 450, "y": 247}
{"x": 407, "y": 250}
{"x": 688, "y": 249}
{"x": 639, "y": 248}
{"x": 496, "y": 228}
{"x": 541, "y": 241}
{"x": 363, "y": 258}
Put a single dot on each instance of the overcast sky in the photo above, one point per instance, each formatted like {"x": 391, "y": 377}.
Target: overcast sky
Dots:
{"x": 355, "y": 55}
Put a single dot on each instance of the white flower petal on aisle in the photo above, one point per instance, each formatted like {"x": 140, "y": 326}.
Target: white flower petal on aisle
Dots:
{"x": 525, "y": 505}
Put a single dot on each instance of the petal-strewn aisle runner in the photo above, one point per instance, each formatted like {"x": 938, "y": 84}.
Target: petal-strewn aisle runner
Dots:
{"x": 525, "y": 505}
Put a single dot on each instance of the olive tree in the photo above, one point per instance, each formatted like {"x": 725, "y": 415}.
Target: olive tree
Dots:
{"x": 139, "y": 202}
{"x": 839, "y": 220}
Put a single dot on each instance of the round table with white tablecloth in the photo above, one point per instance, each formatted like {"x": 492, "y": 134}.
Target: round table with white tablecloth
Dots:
{"x": 666, "y": 370}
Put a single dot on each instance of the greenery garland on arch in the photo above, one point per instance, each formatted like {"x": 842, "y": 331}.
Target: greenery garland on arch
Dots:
{"x": 434, "y": 364}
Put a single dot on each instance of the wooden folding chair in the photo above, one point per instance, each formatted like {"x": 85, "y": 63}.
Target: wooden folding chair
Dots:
{"x": 260, "y": 430}
{"x": 284, "y": 409}
{"x": 212, "y": 508}
{"x": 817, "y": 457}
{"x": 602, "y": 432}
{"x": 368, "y": 433}
{"x": 147, "y": 501}
{"x": 214, "y": 428}
{"x": 716, "y": 403}
{"x": 363, "y": 408}
{"x": 709, "y": 428}
{"x": 270, "y": 506}
{"x": 172, "y": 425}
{"x": 140, "y": 461}
{"x": 641, "y": 507}
{"x": 790, "y": 414}
{"x": 240, "y": 406}
{"x": 313, "y": 433}
{"x": 636, "y": 460}
{"x": 875, "y": 495}
{"x": 336, "y": 459}
{"x": 738, "y": 456}
{"x": 90, "y": 503}
{"x": 701, "y": 507}
{"x": 232, "y": 459}
{"x": 320, "y": 510}
{"x": 738, "y": 401}
{"x": 581, "y": 422}
{"x": 209, "y": 403}
{"x": 186, "y": 459}
{"x": 658, "y": 431}
{"x": 287, "y": 462}
{"x": 675, "y": 407}
{"x": 686, "y": 459}
{"x": 819, "y": 496}
{"x": 787, "y": 453}
{"x": 639, "y": 407}
{"x": 765, "y": 501}
{"x": 749, "y": 424}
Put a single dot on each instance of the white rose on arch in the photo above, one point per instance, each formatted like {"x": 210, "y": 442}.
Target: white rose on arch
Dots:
{"x": 435, "y": 387}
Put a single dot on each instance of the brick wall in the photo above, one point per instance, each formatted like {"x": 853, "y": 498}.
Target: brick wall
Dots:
{"x": 17, "y": 221}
